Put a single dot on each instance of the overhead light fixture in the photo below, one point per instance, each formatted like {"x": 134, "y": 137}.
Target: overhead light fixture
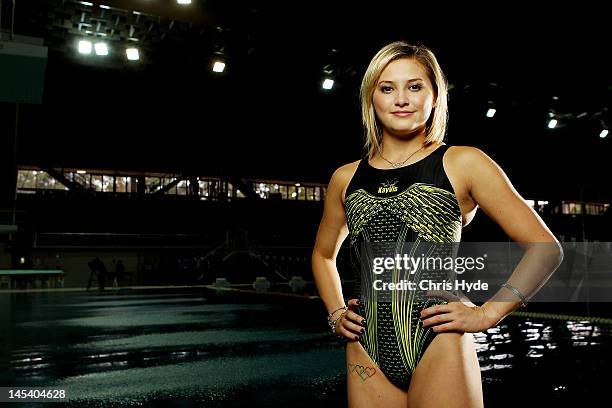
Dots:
{"x": 85, "y": 47}
{"x": 552, "y": 122}
{"x": 603, "y": 123}
{"x": 101, "y": 48}
{"x": 132, "y": 54}
{"x": 328, "y": 83}
{"x": 183, "y": 2}
{"x": 491, "y": 108}
{"x": 552, "y": 113}
{"x": 218, "y": 66}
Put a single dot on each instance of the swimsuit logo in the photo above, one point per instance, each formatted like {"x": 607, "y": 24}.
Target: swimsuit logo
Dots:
{"x": 388, "y": 187}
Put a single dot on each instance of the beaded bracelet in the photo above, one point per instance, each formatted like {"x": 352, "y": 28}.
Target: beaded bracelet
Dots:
{"x": 332, "y": 323}
{"x": 335, "y": 323}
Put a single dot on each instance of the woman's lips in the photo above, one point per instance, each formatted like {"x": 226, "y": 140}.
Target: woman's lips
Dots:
{"x": 403, "y": 114}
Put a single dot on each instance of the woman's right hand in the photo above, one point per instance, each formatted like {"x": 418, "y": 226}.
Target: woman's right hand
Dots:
{"x": 351, "y": 325}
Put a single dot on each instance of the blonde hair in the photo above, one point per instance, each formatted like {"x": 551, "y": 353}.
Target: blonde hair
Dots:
{"x": 435, "y": 127}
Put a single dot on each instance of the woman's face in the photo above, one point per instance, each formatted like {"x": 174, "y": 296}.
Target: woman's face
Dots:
{"x": 403, "y": 86}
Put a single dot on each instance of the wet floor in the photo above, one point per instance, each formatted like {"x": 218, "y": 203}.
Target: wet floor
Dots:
{"x": 191, "y": 347}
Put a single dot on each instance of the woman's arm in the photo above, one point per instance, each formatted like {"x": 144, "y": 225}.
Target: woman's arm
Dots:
{"x": 332, "y": 232}
{"x": 491, "y": 189}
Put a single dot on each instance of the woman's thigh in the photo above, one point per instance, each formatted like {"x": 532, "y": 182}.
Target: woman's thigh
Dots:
{"x": 367, "y": 386}
{"x": 448, "y": 374}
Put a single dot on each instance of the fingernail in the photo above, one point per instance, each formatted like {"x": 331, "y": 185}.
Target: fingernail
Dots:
{"x": 363, "y": 321}
{"x": 358, "y": 302}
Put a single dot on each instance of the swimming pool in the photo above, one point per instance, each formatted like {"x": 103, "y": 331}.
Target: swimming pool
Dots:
{"x": 188, "y": 347}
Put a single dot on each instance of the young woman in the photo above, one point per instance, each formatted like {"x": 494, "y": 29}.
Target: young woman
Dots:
{"x": 411, "y": 186}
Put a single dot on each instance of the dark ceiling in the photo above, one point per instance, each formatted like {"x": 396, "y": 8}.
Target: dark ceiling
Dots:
{"x": 267, "y": 116}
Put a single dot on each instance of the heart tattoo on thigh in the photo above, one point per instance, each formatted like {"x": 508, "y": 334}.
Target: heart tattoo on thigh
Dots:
{"x": 363, "y": 372}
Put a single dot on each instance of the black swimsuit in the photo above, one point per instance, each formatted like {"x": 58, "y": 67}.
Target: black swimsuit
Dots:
{"x": 413, "y": 204}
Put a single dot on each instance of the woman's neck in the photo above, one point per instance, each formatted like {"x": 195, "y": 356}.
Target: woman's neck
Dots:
{"x": 395, "y": 149}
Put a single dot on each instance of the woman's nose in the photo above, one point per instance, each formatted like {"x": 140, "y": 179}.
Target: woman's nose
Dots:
{"x": 402, "y": 98}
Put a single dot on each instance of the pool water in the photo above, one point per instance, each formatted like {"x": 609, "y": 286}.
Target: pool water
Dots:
{"x": 193, "y": 347}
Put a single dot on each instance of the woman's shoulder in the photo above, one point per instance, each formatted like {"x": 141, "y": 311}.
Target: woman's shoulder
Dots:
{"x": 347, "y": 170}
{"x": 464, "y": 155}
{"x": 349, "y": 167}
{"x": 343, "y": 174}
{"x": 472, "y": 163}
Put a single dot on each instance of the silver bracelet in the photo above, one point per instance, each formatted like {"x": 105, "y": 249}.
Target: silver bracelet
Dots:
{"x": 332, "y": 323}
{"x": 516, "y": 292}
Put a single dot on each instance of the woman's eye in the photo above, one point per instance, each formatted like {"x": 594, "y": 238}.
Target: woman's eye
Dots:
{"x": 417, "y": 87}
{"x": 385, "y": 88}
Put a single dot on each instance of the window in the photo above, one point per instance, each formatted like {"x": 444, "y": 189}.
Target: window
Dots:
{"x": 595, "y": 208}
{"x": 121, "y": 184}
{"x": 293, "y": 193}
{"x": 571, "y": 207}
{"x": 301, "y": 193}
{"x": 44, "y": 181}
{"x": 26, "y": 179}
{"x": 152, "y": 183}
{"x": 310, "y": 193}
{"x": 107, "y": 183}
{"x": 96, "y": 182}
{"x": 130, "y": 184}
{"x": 181, "y": 187}
{"x": 82, "y": 179}
{"x": 262, "y": 190}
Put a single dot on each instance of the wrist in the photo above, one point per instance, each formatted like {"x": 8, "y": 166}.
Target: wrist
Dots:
{"x": 493, "y": 313}
{"x": 336, "y": 312}
{"x": 334, "y": 317}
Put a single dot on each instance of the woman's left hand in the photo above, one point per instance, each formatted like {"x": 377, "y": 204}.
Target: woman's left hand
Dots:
{"x": 460, "y": 314}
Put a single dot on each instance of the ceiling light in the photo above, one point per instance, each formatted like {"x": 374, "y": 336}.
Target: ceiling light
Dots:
{"x": 85, "y": 47}
{"x": 328, "y": 83}
{"x": 101, "y": 48}
{"x": 132, "y": 54}
{"x": 218, "y": 66}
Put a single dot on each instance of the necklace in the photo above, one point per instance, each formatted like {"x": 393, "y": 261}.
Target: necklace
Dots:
{"x": 399, "y": 164}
